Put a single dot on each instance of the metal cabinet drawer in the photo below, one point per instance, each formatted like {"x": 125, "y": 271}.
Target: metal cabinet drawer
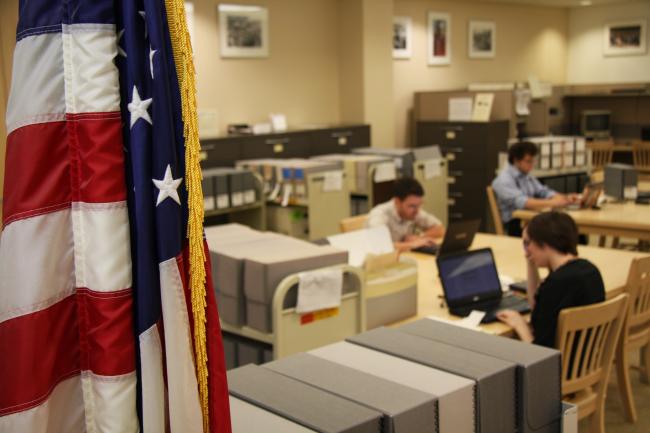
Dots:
{"x": 276, "y": 146}
{"x": 339, "y": 140}
{"x": 219, "y": 153}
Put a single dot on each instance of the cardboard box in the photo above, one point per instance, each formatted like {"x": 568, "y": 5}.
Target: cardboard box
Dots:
{"x": 455, "y": 394}
{"x": 538, "y": 370}
{"x": 304, "y": 404}
{"x": 496, "y": 385}
{"x": 405, "y": 410}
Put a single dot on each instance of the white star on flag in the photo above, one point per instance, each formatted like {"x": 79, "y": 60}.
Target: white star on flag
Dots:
{"x": 138, "y": 108}
{"x": 152, "y": 52}
{"x": 143, "y": 14}
{"x": 167, "y": 187}
{"x": 120, "y": 50}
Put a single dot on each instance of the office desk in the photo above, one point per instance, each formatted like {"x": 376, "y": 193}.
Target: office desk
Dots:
{"x": 508, "y": 253}
{"x": 627, "y": 220}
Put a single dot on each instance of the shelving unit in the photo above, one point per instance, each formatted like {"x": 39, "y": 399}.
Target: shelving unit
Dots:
{"x": 252, "y": 214}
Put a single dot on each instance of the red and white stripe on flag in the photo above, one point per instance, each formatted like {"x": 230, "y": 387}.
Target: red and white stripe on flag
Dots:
{"x": 66, "y": 319}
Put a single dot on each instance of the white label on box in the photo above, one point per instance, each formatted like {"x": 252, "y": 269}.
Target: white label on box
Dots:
{"x": 557, "y": 161}
{"x": 249, "y": 196}
{"x": 208, "y": 203}
{"x": 276, "y": 192}
{"x": 545, "y": 163}
{"x": 385, "y": 172}
{"x": 333, "y": 181}
{"x": 222, "y": 201}
{"x": 569, "y": 146}
{"x": 286, "y": 194}
{"x": 557, "y": 148}
{"x": 630, "y": 193}
{"x": 580, "y": 144}
{"x": 545, "y": 149}
{"x": 568, "y": 160}
{"x": 301, "y": 190}
{"x": 580, "y": 159}
{"x": 237, "y": 198}
{"x": 431, "y": 169}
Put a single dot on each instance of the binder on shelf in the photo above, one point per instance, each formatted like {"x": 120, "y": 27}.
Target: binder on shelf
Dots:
{"x": 538, "y": 370}
{"x": 209, "y": 196}
{"x": 299, "y": 402}
{"x": 249, "y": 188}
{"x": 495, "y": 378}
{"x": 404, "y": 409}
{"x": 222, "y": 192}
{"x": 236, "y": 184}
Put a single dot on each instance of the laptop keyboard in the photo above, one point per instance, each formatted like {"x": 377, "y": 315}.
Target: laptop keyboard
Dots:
{"x": 491, "y": 308}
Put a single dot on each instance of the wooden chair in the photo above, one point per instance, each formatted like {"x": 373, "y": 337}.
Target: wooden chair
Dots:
{"x": 636, "y": 332}
{"x": 641, "y": 156}
{"x": 494, "y": 211}
{"x": 353, "y": 223}
{"x": 601, "y": 154}
{"x": 587, "y": 337}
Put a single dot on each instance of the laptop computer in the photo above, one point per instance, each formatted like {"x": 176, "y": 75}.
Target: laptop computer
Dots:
{"x": 471, "y": 282}
{"x": 458, "y": 237}
{"x": 589, "y": 199}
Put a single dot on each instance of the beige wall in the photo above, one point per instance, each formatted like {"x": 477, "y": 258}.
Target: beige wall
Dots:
{"x": 350, "y": 61}
{"x": 586, "y": 62}
{"x": 299, "y": 78}
{"x": 530, "y": 41}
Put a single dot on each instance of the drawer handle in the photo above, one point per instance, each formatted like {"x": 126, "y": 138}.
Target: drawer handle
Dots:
{"x": 457, "y": 215}
{"x": 457, "y": 173}
{"x": 455, "y": 194}
{"x": 342, "y": 141}
{"x": 207, "y": 146}
{"x": 277, "y": 141}
{"x": 451, "y": 202}
{"x": 278, "y": 148}
{"x": 451, "y": 156}
{"x": 454, "y": 149}
{"x": 341, "y": 134}
{"x": 451, "y": 180}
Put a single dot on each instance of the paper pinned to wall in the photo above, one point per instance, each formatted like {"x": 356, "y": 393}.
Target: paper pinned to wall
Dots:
{"x": 523, "y": 100}
{"x": 385, "y": 171}
{"x": 333, "y": 181}
{"x": 432, "y": 169}
{"x": 460, "y": 109}
{"x": 482, "y": 107}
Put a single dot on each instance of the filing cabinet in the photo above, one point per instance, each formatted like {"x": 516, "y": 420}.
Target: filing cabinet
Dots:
{"x": 472, "y": 150}
{"x": 220, "y": 152}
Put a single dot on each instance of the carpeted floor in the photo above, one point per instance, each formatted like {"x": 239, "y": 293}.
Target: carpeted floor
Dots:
{"x": 615, "y": 421}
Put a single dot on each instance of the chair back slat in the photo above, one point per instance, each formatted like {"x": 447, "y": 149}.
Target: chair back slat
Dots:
{"x": 601, "y": 154}
{"x": 638, "y": 287}
{"x": 641, "y": 155}
{"x": 353, "y": 223}
{"x": 494, "y": 211}
{"x": 587, "y": 337}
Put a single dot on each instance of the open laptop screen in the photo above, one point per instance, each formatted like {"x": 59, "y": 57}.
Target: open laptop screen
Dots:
{"x": 469, "y": 276}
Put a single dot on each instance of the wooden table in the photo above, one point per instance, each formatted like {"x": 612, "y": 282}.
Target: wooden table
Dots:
{"x": 510, "y": 261}
{"x": 625, "y": 220}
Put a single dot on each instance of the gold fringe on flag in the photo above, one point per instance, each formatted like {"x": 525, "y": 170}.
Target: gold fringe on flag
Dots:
{"x": 183, "y": 59}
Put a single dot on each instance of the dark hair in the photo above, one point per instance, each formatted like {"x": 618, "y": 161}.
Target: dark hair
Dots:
{"x": 519, "y": 150}
{"x": 406, "y": 186}
{"x": 555, "y": 229}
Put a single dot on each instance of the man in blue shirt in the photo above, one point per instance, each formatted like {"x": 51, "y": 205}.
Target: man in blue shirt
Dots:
{"x": 516, "y": 189}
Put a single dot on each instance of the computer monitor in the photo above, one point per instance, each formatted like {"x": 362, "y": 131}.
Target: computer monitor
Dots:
{"x": 596, "y": 123}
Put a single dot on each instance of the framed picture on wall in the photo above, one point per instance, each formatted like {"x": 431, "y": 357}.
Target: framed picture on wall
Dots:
{"x": 439, "y": 38}
{"x": 482, "y": 39}
{"x": 625, "y": 38}
{"x": 243, "y": 30}
{"x": 402, "y": 37}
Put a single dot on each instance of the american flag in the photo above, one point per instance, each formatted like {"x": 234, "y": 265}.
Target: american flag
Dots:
{"x": 96, "y": 318}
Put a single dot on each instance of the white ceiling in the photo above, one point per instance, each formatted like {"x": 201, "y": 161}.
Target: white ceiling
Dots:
{"x": 556, "y": 3}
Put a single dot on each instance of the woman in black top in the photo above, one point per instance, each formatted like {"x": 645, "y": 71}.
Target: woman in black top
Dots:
{"x": 550, "y": 241}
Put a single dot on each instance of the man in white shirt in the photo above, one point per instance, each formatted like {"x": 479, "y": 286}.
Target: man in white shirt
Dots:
{"x": 410, "y": 227}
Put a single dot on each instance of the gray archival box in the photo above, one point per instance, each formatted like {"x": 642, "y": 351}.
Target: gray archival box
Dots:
{"x": 495, "y": 378}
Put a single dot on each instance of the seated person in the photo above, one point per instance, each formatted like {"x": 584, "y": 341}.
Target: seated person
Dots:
{"x": 516, "y": 189}
{"x": 410, "y": 227}
{"x": 550, "y": 241}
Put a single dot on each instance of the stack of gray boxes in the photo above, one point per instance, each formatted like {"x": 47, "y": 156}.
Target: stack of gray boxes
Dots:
{"x": 539, "y": 408}
{"x": 225, "y": 188}
{"x": 424, "y": 376}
